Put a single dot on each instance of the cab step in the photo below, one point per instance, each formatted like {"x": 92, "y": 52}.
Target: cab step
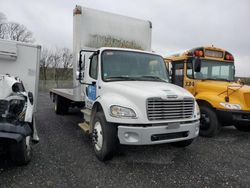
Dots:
{"x": 87, "y": 113}
{"x": 85, "y": 127}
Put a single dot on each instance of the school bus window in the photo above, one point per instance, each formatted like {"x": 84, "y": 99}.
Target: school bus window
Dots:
{"x": 189, "y": 70}
{"x": 216, "y": 71}
{"x": 202, "y": 74}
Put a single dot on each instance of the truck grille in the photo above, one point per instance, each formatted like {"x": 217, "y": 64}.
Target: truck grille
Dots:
{"x": 3, "y": 107}
{"x": 159, "y": 109}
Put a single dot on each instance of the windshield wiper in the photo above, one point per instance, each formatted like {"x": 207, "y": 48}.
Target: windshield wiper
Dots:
{"x": 153, "y": 77}
{"x": 119, "y": 78}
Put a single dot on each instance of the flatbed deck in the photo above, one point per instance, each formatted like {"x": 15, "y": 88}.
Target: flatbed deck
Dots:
{"x": 66, "y": 93}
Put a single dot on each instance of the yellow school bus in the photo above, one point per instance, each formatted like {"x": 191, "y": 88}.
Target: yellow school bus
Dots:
{"x": 209, "y": 74}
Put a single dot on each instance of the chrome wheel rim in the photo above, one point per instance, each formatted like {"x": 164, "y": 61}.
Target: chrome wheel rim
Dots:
{"x": 99, "y": 137}
{"x": 205, "y": 121}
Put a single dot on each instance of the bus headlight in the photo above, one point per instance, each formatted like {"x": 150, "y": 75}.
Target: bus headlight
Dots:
{"x": 122, "y": 112}
{"x": 231, "y": 106}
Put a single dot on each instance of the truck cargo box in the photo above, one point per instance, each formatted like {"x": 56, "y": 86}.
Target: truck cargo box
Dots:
{"x": 95, "y": 29}
{"x": 21, "y": 60}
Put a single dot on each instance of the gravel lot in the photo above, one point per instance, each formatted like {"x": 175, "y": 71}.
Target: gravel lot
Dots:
{"x": 64, "y": 158}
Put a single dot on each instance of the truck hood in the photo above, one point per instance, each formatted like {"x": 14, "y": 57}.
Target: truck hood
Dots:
{"x": 221, "y": 86}
{"x": 217, "y": 90}
{"x": 134, "y": 95}
{"x": 147, "y": 89}
{"x": 6, "y": 83}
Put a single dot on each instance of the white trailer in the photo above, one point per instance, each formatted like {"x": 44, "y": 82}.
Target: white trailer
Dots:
{"x": 19, "y": 76}
{"x": 124, "y": 87}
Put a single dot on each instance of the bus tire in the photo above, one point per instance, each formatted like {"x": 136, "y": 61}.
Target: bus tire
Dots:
{"x": 104, "y": 137}
{"x": 209, "y": 123}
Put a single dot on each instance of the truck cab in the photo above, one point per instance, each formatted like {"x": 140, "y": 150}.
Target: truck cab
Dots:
{"x": 209, "y": 74}
{"x": 129, "y": 100}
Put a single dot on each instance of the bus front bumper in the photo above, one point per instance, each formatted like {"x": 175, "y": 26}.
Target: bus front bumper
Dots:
{"x": 234, "y": 117}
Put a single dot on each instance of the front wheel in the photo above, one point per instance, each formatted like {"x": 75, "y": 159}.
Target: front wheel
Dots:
{"x": 243, "y": 128}
{"x": 21, "y": 152}
{"x": 104, "y": 137}
{"x": 183, "y": 143}
{"x": 209, "y": 123}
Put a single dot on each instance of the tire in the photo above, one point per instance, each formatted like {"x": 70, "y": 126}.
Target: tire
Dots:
{"x": 183, "y": 143}
{"x": 210, "y": 125}
{"x": 243, "y": 128}
{"x": 21, "y": 153}
{"x": 61, "y": 105}
{"x": 104, "y": 137}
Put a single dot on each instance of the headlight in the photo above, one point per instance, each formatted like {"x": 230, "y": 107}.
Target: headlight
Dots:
{"x": 231, "y": 106}
{"x": 119, "y": 111}
{"x": 197, "y": 108}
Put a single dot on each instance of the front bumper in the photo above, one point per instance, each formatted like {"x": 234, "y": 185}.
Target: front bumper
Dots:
{"x": 140, "y": 135}
{"x": 233, "y": 117}
{"x": 14, "y": 132}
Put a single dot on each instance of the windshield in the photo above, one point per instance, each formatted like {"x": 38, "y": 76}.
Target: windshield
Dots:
{"x": 125, "y": 65}
{"x": 215, "y": 70}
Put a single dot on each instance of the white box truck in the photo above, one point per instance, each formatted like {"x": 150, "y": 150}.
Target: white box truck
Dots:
{"x": 19, "y": 76}
{"x": 123, "y": 87}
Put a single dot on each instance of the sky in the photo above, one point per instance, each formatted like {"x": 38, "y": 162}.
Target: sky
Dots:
{"x": 178, "y": 25}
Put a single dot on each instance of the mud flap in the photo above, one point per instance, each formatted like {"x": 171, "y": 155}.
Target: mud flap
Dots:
{"x": 35, "y": 137}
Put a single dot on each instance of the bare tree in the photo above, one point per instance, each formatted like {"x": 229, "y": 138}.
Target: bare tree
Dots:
{"x": 14, "y": 31}
{"x": 67, "y": 63}
{"x": 2, "y": 25}
{"x": 56, "y": 59}
{"x": 45, "y": 63}
{"x": 59, "y": 61}
{"x": 18, "y": 32}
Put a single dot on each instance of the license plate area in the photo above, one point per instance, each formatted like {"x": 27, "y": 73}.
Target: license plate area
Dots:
{"x": 173, "y": 126}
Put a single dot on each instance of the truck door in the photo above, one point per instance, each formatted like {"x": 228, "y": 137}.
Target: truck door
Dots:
{"x": 189, "y": 82}
{"x": 90, "y": 90}
{"x": 178, "y": 73}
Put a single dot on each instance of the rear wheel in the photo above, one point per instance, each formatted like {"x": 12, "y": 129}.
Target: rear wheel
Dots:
{"x": 21, "y": 152}
{"x": 61, "y": 105}
{"x": 104, "y": 137}
{"x": 209, "y": 123}
{"x": 243, "y": 128}
{"x": 183, "y": 143}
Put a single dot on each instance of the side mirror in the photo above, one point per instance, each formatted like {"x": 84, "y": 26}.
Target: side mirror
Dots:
{"x": 80, "y": 62}
{"x": 31, "y": 97}
{"x": 81, "y": 66}
{"x": 197, "y": 64}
